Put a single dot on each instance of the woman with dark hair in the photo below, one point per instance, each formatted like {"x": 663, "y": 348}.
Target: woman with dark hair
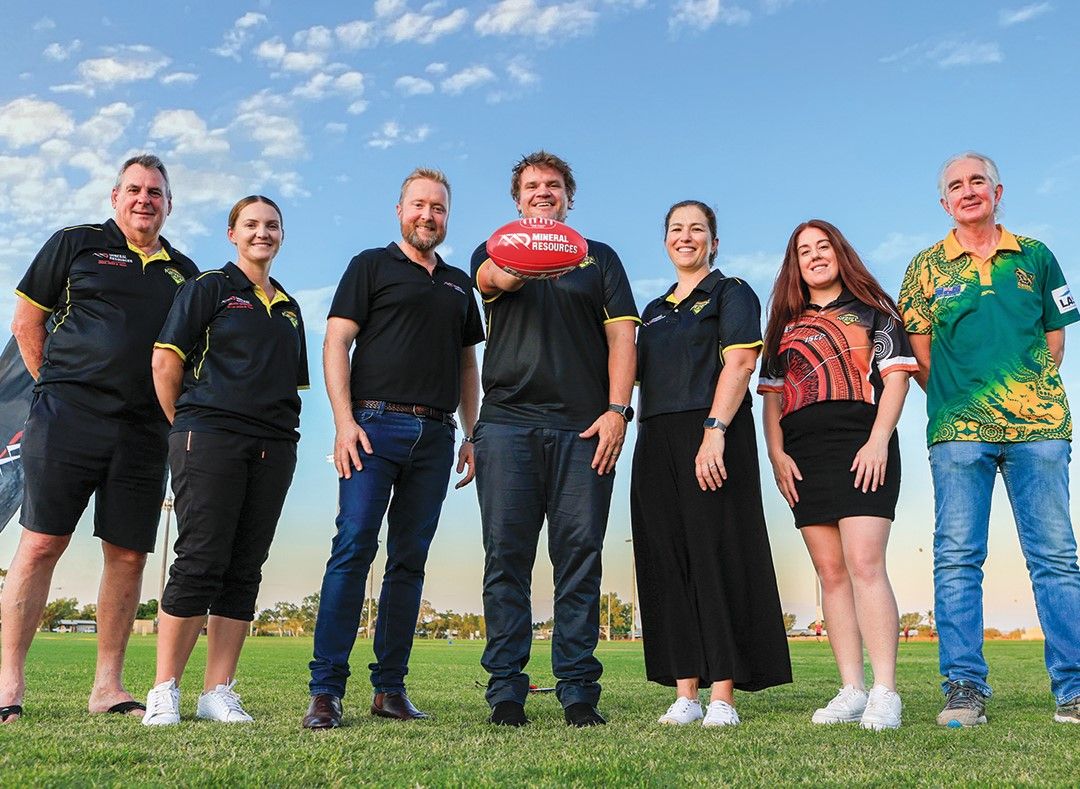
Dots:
{"x": 834, "y": 377}
{"x": 710, "y": 612}
{"x": 227, "y": 366}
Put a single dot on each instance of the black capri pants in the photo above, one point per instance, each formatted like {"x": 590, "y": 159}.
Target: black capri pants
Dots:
{"x": 229, "y": 492}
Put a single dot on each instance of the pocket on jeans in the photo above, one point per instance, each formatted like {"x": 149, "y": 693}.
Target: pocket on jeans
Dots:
{"x": 364, "y": 415}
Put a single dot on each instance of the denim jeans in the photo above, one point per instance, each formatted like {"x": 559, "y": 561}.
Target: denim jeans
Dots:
{"x": 1036, "y": 475}
{"x": 412, "y": 460}
{"x": 522, "y": 475}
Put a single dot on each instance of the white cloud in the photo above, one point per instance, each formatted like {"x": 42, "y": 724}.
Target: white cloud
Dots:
{"x": 391, "y": 133}
{"x": 107, "y": 125}
{"x": 336, "y": 128}
{"x": 436, "y": 68}
{"x": 898, "y": 248}
{"x": 425, "y": 28}
{"x": 356, "y": 34}
{"x": 703, "y": 14}
{"x": 357, "y": 107}
{"x": 947, "y": 54}
{"x": 384, "y": 8}
{"x": 315, "y": 304}
{"x": 124, "y": 64}
{"x": 263, "y": 101}
{"x": 179, "y": 78}
{"x": 57, "y": 51}
{"x": 188, "y": 133}
{"x": 775, "y": 6}
{"x": 413, "y": 86}
{"x": 317, "y": 37}
{"x": 1014, "y": 16}
{"x": 520, "y": 71}
{"x": 44, "y": 24}
{"x": 302, "y": 61}
{"x": 29, "y": 121}
{"x": 273, "y": 50}
{"x": 645, "y": 290}
{"x": 322, "y": 84}
{"x": 236, "y": 37}
{"x": 527, "y": 18}
{"x": 466, "y": 78}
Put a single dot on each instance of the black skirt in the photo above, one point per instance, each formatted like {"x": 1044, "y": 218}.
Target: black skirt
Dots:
{"x": 709, "y": 604}
{"x": 823, "y": 440}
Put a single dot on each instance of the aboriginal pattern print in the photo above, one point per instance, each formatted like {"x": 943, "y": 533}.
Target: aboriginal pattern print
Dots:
{"x": 997, "y": 380}
{"x": 838, "y": 352}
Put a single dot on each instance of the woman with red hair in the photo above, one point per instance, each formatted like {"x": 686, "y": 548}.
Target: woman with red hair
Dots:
{"x": 834, "y": 377}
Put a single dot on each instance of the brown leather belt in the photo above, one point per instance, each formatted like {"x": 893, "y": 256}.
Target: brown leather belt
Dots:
{"x": 423, "y": 411}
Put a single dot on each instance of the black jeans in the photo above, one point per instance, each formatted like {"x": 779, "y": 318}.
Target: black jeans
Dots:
{"x": 229, "y": 493}
{"x": 522, "y": 475}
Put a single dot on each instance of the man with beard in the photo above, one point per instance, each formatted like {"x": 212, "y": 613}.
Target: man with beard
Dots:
{"x": 414, "y": 322}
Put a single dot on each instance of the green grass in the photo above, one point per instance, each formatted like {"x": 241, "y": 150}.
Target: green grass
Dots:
{"x": 58, "y": 743}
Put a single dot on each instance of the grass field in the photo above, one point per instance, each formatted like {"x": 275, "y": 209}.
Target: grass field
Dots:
{"x": 58, "y": 743}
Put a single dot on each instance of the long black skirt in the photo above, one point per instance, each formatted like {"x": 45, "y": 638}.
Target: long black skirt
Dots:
{"x": 709, "y": 604}
{"x": 823, "y": 439}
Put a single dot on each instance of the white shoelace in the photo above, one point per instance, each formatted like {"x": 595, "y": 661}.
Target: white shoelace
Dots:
{"x": 230, "y": 697}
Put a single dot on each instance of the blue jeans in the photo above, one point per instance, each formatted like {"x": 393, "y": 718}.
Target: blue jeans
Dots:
{"x": 522, "y": 475}
{"x": 412, "y": 459}
{"x": 1036, "y": 475}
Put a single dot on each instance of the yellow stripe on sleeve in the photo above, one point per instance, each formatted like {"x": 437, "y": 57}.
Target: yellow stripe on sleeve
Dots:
{"x": 23, "y": 296}
{"x": 167, "y": 346}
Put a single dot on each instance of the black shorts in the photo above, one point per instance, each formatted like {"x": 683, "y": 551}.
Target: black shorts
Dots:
{"x": 69, "y": 453}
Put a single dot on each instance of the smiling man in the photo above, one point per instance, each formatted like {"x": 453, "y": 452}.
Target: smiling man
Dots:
{"x": 986, "y": 312}
{"x": 90, "y": 307}
{"x": 414, "y": 322}
{"x": 558, "y": 373}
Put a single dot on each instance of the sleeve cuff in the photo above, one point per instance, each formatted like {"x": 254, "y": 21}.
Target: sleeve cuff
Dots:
{"x": 167, "y": 346}
{"x": 24, "y": 297}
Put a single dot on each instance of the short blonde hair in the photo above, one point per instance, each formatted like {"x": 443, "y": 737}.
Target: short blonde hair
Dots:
{"x": 427, "y": 174}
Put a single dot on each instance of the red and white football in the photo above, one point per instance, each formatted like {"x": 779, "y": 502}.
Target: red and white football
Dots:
{"x": 537, "y": 248}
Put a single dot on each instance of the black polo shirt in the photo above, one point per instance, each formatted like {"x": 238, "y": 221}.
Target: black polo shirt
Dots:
{"x": 681, "y": 346}
{"x": 107, "y": 303}
{"x": 244, "y": 358}
{"x": 413, "y": 326}
{"x": 546, "y": 360}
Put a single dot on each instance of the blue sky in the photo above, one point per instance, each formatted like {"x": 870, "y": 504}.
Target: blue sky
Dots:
{"x": 771, "y": 110}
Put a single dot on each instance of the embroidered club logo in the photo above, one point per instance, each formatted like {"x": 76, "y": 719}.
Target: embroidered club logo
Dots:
{"x": 176, "y": 276}
{"x": 237, "y": 303}
{"x": 1024, "y": 280}
{"x": 292, "y": 318}
{"x": 588, "y": 261}
{"x": 109, "y": 259}
{"x": 848, "y": 318}
{"x": 699, "y": 306}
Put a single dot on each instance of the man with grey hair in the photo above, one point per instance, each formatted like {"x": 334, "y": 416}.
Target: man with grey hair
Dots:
{"x": 986, "y": 311}
{"x": 90, "y": 306}
{"x": 414, "y": 324}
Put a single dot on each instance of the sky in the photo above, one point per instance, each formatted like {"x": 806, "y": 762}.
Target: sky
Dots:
{"x": 772, "y": 111}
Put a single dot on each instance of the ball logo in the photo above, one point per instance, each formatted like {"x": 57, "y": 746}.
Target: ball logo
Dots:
{"x": 536, "y": 248}
{"x": 515, "y": 240}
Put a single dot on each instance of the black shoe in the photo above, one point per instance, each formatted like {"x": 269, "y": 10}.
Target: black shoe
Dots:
{"x": 323, "y": 713}
{"x": 582, "y": 715}
{"x": 508, "y": 713}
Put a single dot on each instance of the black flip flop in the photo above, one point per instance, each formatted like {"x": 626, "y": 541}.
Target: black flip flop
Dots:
{"x": 7, "y": 712}
{"x": 124, "y": 707}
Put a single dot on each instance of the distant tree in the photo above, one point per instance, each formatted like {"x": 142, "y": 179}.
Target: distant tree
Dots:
{"x": 991, "y": 634}
{"x": 425, "y": 619}
{"x": 909, "y": 622}
{"x": 89, "y": 611}
{"x": 789, "y": 622}
{"x": 369, "y": 616}
{"x": 60, "y": 608}
{"x": 930, "y": 621}
{"x": 147, "y": 610}
{"x": 616, "y": 614}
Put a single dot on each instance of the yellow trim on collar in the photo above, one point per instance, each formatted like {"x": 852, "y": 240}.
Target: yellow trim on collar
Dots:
{"x": 279, "y": 296}
{"x": 954, "y": 249}
{"x": 161, "y": 254}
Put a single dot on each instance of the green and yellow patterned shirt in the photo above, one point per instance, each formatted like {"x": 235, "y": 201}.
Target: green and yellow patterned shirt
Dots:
{"x": 991, "y": 374}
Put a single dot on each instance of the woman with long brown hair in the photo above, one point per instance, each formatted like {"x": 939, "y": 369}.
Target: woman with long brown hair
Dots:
{"x": 834, "y": 377}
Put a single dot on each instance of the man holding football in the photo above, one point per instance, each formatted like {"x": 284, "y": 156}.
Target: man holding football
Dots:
{"x": 558, "y": 373}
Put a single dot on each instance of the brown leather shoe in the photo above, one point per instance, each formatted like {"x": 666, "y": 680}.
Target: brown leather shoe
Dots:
{"x": 324, "y": 712}
{"x": 396, "y": 706}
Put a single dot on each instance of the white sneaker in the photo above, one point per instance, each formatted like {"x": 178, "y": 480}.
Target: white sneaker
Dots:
{"x": 222, "y": 704}
{"x": 882, "y": 709}
{"x": 163, "y": 705}
{"x": 683, "y": 711}
{"x": 845, "y": 707}
{"x": 720, "y": 713}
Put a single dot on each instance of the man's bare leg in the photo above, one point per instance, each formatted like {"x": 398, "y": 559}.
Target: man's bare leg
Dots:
{"x": 26, "y": 591}
{"x": 118, "y": 600}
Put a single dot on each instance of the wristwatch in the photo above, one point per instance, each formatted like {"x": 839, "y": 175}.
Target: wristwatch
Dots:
{"x": 712, "y": 423}
{"x": 625, "y": 411}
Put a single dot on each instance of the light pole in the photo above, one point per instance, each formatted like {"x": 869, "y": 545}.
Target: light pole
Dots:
{"x": 633, "y": 592}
